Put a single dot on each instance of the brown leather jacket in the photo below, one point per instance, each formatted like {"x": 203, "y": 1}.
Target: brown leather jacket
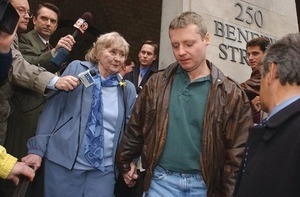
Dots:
{"x": 225, "y": 130}
{"x": 252, "y": 85}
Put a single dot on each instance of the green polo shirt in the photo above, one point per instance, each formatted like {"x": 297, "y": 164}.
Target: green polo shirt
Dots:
{"x": 186, "y": 111}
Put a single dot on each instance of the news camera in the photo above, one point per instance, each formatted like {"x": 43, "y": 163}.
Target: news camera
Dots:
{"x": 9, "y": 17}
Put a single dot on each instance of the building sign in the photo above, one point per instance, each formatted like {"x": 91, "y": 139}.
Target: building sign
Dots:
{"x": 231, "y": 24}
{"x": 239, "y": 34}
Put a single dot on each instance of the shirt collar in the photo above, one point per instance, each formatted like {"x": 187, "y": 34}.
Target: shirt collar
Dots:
{"x": 43, "y": 40}
{"x": 283, "y": 105}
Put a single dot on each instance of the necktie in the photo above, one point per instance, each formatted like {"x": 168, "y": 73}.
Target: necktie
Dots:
{"x": 140, "y": 78}
{"x": 94, "y": 151}
{"x": 47, "y": 46}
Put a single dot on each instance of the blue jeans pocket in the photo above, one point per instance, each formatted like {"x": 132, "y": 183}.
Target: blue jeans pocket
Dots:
{"x": 159, "y": 173}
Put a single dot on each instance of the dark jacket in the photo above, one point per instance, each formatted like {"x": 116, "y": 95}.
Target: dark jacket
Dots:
{"x": 225, "y": 130}
{"x": 273, "y": 157}
{"x": 134, "y": 76}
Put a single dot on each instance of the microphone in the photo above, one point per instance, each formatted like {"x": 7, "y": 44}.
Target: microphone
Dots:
{"x": 81, "y": 25}
{"x": 86, "y": 77}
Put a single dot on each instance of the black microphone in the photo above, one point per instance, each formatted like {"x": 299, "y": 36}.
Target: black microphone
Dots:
{"x": 81, "y": 25}
{"x": 86, "y": 77}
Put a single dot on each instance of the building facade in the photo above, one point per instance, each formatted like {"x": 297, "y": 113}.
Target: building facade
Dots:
{"x": 231, "y": 23}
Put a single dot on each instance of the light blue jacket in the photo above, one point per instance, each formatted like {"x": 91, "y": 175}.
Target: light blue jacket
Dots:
{"x": 62, "y": 124}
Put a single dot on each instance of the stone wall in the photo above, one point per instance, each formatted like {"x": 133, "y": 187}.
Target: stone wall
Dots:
{"x": 231, "y": 24}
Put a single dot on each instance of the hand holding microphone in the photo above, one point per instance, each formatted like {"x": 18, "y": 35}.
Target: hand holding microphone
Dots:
{"x": 66, "y": 42}
{"x": 68, "y": 83}
{"x": 62, "y": 53}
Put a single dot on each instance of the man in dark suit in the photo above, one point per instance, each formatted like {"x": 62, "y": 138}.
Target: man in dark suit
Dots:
{"x": 271, "y": 161}
{"x": 146, "y": 67}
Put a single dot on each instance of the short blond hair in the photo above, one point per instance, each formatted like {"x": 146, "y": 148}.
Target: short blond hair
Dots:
{"x": 105, "y": 41}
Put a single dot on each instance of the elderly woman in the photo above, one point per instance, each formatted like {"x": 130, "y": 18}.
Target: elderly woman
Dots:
{"x": 79, "y": 131}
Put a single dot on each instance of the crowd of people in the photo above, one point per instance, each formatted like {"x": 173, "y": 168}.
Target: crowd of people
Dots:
{"x": 135, "y": 130}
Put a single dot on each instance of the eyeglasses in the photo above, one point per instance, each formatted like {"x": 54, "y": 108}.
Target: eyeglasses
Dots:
{"x": 22, "y": 11}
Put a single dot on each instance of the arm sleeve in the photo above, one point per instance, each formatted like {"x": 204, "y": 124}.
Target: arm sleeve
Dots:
{"x": 7, "y": 163}
{"x": 252, "y": 85}
{"x": 49, "y": 120}
{"x": 236, "y": 135}
{"x": 28, "y": 75}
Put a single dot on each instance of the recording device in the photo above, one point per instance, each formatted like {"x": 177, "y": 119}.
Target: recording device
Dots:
{"x": 9, "y": 17}
{"x": 81, "y": 25}
{"x": 86, "y": 77}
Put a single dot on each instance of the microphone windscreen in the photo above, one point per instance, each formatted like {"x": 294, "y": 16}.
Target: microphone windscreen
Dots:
{"x": 88, "y": 17}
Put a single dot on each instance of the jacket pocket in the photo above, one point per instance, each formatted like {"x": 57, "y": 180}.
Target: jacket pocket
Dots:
{"x": 61, "y": 125}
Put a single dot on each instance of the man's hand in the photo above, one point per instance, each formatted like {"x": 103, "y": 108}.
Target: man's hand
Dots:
{"x": 67, "y": 83}
{"x": 32, "y": 160}
{"x": 255, "y": 105}
{"x": 131, "y": 176}
{"x": 66, "y": 42}
{"x": 20, "y": 168}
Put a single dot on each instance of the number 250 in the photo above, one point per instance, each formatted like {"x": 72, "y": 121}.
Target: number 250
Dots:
{"x": 251, "y": 17}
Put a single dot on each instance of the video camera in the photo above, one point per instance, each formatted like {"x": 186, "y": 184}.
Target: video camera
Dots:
{"x": 9, "y": 17}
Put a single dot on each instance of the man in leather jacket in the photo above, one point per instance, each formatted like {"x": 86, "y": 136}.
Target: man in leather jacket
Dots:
{"x": 189, "y": 124}
{"x": 255, "y": 54}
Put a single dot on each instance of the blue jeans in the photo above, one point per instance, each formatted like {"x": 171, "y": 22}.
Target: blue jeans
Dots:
{"x": 168, "y": 183}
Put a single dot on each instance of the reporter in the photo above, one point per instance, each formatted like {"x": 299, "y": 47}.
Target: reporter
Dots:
{"x": 26, "y": 75}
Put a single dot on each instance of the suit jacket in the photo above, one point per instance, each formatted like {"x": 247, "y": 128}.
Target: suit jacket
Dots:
{"x": 272, "y": 157}
{"x": 134, "y": 76}
{"x": 34, "y": 51}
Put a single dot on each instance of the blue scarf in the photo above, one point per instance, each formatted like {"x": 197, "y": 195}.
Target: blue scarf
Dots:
{"x": 94, "y": 150}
